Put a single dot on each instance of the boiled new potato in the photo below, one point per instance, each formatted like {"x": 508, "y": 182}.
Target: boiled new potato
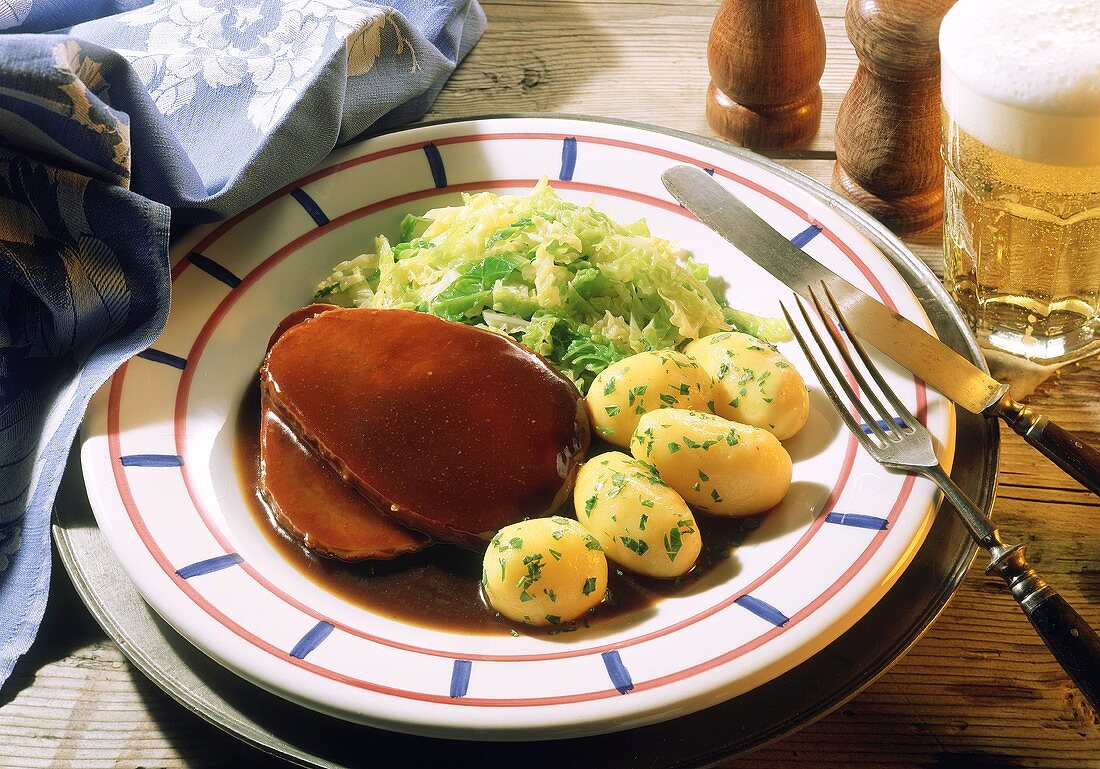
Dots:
{"x": 718, "y": 466}
{"x": 644, "y": 382}
{"x": 641, "y": 523}
{"x": 544, "y": 571}
{"x": 752, "y": 382}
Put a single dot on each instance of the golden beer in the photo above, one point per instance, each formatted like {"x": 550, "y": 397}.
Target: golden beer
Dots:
{"x": 1021, "y": 149}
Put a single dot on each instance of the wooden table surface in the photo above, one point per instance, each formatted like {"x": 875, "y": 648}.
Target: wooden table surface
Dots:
{"x": 979, "y": 690}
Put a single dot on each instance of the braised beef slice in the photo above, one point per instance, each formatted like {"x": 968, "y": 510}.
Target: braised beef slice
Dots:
{"x": 309, "y": 498}
{"x": 454, "y": 431}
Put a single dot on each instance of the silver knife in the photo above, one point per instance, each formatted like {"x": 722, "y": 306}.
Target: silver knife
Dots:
{"x": 918, "y": 351}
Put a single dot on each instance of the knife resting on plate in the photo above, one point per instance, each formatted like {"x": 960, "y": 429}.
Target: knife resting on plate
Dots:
{"x": 914, "y": 348}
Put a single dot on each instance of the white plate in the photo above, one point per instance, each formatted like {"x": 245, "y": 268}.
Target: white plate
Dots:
{"x": 157, "y": 454}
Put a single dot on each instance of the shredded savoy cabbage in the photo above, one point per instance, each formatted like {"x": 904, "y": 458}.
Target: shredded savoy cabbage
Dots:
{"x": 564, "y": 280}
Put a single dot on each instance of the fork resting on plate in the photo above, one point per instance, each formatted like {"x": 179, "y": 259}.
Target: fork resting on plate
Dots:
{"x": 898, "y": 441}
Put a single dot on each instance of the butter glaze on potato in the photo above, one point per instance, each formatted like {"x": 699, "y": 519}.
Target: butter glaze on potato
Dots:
{"x": 718, "y": 466}
{"x": 644, "y": 382}
{"x": 454, "y": 431}
{"x": 753, "y": 383}
{"x": 639, "y": 521}
{"x": 545, "y": 571}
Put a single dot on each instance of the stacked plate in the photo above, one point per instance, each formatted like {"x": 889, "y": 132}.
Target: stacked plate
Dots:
{"x": 816, "y": 602}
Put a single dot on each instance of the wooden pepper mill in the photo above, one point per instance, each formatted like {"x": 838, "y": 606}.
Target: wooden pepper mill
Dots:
{"x": 766, "y": 58}
{"x": 888, "y": 126}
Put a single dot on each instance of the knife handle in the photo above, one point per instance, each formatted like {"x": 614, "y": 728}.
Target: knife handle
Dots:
{"x": 1069, "y": 637}
{"x": 1060, "y": 446}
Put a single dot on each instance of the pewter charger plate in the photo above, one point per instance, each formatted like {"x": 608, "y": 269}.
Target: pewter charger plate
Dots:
{"x": 749, "y": 719}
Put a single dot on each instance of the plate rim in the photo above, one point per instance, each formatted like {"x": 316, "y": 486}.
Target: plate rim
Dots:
{"x": 854, "y": 217}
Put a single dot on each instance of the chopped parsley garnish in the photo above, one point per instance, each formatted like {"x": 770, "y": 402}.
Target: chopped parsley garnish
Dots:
{"x": 710, "y": 405}
{"x": 781, "y": 364}
{"x": 591, "y": 543}
{"x": 590, "y": 505}
{"x": 516, "y": 542}
{"x": 589, "y": 586}
{"x": 703, "y": 476}
{"x": 534, "y": 571}
{"x": 512, "y": 632}
{"x": 690, "y": 443}
{"x": 684, "y": 389}
{"x": 673, "y": 543}
{"x": 715, "y": 495}
{"x": 612, "y": 411}
{"x": 551, "y": 594}
{"x": 642, "y": 522}
{"x": 695, "y": 486}
{"x": 673, "y": 448}
{"x": 525, "y": 597}
{"x": 645, "y": 502}
{"x": 605, "y": 431}
{"x": 555, "y": 553}
{"x": 502, "y": 562}
{"x": 639, "y": 546}
{"x": 722, "y": 371}
{"x": 669, "y": 399}
{"x": 609, "y": 387}
{"x": 651, "y": 473}
{"x": 553, "y": 619}
{"x": 731, "y": 437}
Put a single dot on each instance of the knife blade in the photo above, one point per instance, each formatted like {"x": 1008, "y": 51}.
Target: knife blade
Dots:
{"x": 938, "y": 365}
{"x": 914, "y": 348}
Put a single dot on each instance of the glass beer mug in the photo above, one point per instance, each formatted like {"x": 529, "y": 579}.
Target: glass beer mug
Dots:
{"x": 1021, "y": 149}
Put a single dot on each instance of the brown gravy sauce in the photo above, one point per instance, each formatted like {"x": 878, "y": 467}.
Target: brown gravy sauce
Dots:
{"x": 440, "y": 587}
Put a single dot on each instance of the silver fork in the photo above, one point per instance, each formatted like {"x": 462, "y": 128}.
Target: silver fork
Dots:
{"x": 905, "y": 445}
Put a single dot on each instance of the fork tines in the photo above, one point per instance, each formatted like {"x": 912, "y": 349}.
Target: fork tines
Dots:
{"x": 888, "y": 425}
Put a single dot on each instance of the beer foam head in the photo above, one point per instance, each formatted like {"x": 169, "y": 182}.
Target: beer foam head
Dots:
{"x": 1023, "y": 76}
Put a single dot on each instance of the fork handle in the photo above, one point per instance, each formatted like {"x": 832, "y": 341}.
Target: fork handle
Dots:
{"x": 1059, "y": 445}
{"x": 1069, "y": 637}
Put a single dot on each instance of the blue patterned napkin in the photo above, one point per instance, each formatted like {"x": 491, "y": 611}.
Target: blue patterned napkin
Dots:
{"x": 119, "y": 116}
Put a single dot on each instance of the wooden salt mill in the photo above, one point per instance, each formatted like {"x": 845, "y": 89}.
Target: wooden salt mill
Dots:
{"x": 766, "y": 58}
{"x": 888, "y": 126}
